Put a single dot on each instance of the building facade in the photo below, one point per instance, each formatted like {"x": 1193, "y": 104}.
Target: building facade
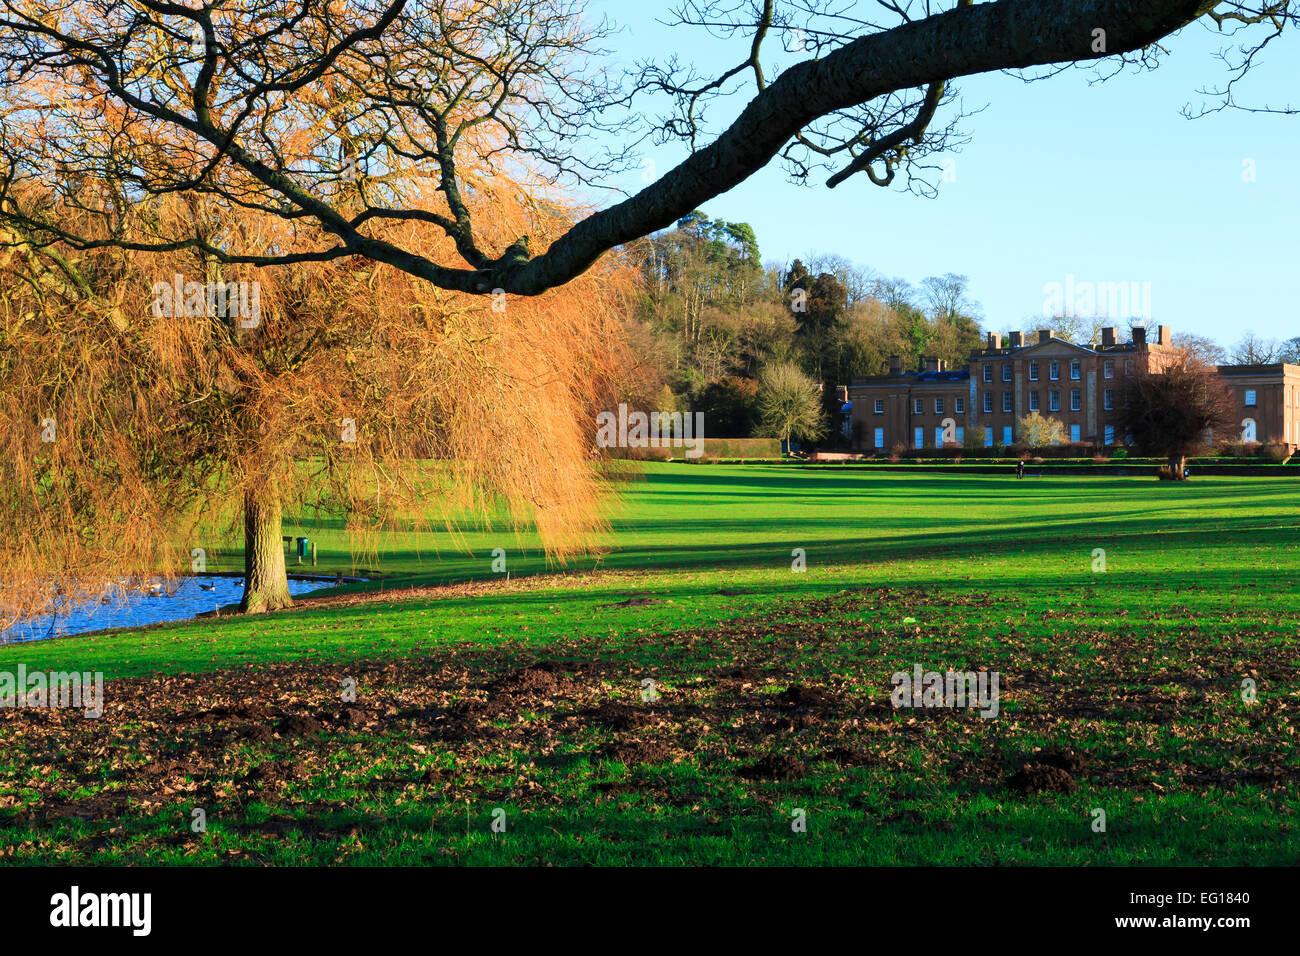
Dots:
{"x": 1267, "y": 401}
{"x": 1079, "y": 385}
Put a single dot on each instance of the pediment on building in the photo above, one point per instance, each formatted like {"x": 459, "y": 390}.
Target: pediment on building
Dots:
{"x": 1053, "y": 347}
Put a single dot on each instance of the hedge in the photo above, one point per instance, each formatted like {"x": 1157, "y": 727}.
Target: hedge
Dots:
{"x": 713, "y": 449}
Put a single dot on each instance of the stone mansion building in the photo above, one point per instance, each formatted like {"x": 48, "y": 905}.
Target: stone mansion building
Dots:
{"x": 1081, "y": 385}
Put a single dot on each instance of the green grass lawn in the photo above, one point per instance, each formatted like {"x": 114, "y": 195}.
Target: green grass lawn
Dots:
{"x": 1121, "y": 690}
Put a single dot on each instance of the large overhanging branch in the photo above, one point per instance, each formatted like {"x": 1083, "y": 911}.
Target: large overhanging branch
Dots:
{"x": 1008, "y": 34}
{"x": 422, "y": 118}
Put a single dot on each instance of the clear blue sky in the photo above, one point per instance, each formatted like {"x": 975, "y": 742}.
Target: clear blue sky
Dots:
{"x": 1106, "y": 182}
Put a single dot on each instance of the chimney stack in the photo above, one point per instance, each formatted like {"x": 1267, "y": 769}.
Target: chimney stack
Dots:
{"x": 1044, "y": 335}
{"x": 895, "y": 365}
{"x": 995, "y": 341}
{"x": 1164, "y": 335}
{"x": 1139, "y": 335}
{"x": 1015, "y": 340}
{"x": 1108, "y": 337}
{"x": 931, "y": 363}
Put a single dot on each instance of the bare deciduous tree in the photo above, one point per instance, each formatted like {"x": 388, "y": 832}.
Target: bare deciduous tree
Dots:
{"x": 947, "y": 297}
{"x": 1252, "y": 349}
{"x": 1202, "y": 348}
{"x": 306, "y": 108}
{"x": 1169, "y": 411}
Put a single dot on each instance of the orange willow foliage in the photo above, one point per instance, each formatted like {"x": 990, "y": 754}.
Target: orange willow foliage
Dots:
{"x": 161, "y": 423}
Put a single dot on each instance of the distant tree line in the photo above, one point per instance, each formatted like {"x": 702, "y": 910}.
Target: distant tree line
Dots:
{"x": 713, "y": 318}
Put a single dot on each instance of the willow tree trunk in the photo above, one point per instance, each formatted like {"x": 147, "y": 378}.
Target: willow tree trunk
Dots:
{"x": 266, "y": 586}
{"x": 1178, "y": 467}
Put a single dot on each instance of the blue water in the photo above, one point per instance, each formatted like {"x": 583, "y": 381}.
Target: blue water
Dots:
{"x": 187, "y": 598}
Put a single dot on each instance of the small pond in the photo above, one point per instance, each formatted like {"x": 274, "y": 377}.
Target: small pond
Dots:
{"x": 187, "y": 598}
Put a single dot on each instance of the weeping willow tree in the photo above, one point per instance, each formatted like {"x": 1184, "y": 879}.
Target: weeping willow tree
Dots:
{"x": 183, "y": 350}
{"x": 150, "y": 402}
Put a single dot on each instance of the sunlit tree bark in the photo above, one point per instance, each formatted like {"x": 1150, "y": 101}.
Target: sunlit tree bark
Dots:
{"x": 266, "y": 586}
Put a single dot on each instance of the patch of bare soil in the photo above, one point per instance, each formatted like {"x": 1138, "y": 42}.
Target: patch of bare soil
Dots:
{"x": 1041, "y": 778}
{"x": 635, "y": 602}
{"x": 548, "y": 678}
{"x": 774, "y": 767}
{"x": 633, "y": 752}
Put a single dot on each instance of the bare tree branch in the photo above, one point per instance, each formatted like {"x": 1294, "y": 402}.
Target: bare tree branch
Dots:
{"x": 254, "y": 106}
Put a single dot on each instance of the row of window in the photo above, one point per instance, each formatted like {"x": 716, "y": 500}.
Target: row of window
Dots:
{"x": 1053, "y": 401}
{"x": 918, "y": 436}
{"x": 1008, "y": 401}
{"x": 918, "y": 406}
{"x": 1054, "y": 370}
